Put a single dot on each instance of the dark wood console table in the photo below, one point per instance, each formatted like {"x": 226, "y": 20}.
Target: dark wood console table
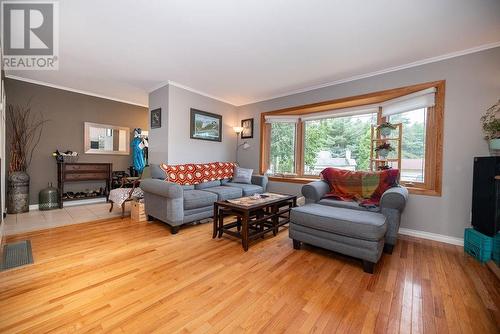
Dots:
{"x": 82, "y": 171}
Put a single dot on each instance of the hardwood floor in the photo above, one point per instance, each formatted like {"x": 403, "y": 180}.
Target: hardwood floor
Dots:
{"x": 119, "y": 276}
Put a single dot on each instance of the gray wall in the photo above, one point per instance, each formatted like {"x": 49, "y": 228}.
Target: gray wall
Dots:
{"x": 66, "y": 112}
{"x": 472, "y": 85}
{"x": 172, "y": 142}
{"x": 158, "y": 138}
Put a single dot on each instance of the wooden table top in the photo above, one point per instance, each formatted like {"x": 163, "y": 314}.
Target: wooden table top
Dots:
{"x": 282, "y": 198}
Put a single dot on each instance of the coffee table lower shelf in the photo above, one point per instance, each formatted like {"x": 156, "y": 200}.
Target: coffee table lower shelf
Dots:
{"x": 252, "y": 222}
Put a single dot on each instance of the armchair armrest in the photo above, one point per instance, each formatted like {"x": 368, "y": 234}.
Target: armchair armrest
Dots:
{"x": 260, "y": 180}
{"x": 314, "y": 191}
{"x": 162, "y": 188}
{"x": 394, "y": 198}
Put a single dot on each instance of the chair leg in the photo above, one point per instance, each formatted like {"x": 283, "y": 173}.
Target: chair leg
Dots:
{"x": 368, "y": 266}
{"x": 174, "y": 229}
{"x": 296, "y": 244}
{"x": 111, "y": 208}
{"x": 388, "y": 248}
{"x": 123, "y": 210}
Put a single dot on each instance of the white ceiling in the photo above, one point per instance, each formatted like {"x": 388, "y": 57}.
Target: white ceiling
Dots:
{"x": 245, "y": 51}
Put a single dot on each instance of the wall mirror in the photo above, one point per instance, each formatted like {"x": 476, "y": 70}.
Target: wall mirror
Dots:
{"x": 106, "y": 139}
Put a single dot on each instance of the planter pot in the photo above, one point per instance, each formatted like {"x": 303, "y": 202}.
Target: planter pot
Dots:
{"x": 18, "y": 193}
{"x": 495, "y": 144}
{"x": 383, "y": 153}
{"x": 386, "y": 132}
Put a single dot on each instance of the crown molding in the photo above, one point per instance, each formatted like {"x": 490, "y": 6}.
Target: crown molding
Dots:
{"x": 192, "y": 90}
{"x": 73, "y": 90}
{"x": 387, "y": 70}
{"x": 292, "y": 92}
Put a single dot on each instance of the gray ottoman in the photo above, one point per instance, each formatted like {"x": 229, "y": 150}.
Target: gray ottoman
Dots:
{"x": 355, "y": 233}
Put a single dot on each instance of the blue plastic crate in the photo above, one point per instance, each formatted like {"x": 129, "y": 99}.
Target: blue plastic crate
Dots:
{"x": 478, "y": 245}
{"x": 496, "y": 249}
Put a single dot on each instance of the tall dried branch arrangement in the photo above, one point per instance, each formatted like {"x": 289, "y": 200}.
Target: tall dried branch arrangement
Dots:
{"x": 26, "y": 129}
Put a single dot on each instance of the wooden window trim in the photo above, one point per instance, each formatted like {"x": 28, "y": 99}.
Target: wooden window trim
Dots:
{"x": 434, "y": 134}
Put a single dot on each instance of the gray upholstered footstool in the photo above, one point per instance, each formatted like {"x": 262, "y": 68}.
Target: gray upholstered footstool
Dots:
{"x": 355, "y": 233}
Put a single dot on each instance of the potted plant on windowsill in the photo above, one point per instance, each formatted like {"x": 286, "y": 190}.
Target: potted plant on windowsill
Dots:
{"x": 384, "y": 149}
{"x": 25, "y": 130}
{"x": 386, "y": 128}
{"x": 491, "y": 126}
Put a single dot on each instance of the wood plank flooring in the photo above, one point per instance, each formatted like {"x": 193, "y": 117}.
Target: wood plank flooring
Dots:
{"x": 125, "y": 277}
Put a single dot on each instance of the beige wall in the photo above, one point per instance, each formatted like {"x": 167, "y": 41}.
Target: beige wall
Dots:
{"x": 472, "y": 85}
{"x": 66, "y": 112}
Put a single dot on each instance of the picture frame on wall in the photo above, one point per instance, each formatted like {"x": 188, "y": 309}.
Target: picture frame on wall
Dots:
{"x": 156, "y": 118}
{"x": 247, "y": 125}
{"x": 205, "y": 125}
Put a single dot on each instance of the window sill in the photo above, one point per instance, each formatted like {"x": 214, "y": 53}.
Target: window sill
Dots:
{"x": 304, "y": 180}
{"x": 421, "y": 191}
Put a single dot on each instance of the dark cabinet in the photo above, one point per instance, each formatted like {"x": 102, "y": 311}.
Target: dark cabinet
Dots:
{"x": 486, "y": 195}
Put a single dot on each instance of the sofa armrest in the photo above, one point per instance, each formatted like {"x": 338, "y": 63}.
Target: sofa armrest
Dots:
{"x": 260, "y": 180}
{"x": 314, "y": 191}
{"x": 394, "y": 198}
{"x": 162, "y": 188}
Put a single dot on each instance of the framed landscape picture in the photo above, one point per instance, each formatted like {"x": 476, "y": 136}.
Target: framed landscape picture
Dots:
{"x": 247, "y": 125}
{"x": 205, "y": 125}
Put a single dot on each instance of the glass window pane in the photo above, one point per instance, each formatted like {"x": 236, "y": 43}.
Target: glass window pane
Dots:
{"x": 413, "y": 144}
{"x": 341, "y": 142}
{"x": 282, "y": 159}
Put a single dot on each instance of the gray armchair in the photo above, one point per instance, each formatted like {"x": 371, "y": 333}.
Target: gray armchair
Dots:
{"x": 392, "y": 204}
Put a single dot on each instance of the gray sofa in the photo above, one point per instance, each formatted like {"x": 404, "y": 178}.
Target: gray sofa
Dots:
{"x": 176, "y": 205}
{"x": 392, "y": 205}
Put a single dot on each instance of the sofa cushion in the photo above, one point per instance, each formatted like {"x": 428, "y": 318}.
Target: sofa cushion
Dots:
{"x": 224, "y": 192}
{"x": 351, "y": 223}
{"x": 157, "y": 172}
{"x": 242, "y": 175}
{"x": 347, "y": 205}
{"x": 248, "y": 189}
{"x": 198, "y": 198}
{"x": 208, "y": 184}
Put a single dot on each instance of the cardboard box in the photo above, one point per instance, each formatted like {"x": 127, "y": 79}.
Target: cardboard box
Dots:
{"x": 137, "y": 213}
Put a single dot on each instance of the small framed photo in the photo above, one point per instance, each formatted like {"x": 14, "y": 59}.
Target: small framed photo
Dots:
{"x": 205, "y": 125}
{"x": 247, "y": 125}
{"x": 156, "y": 118}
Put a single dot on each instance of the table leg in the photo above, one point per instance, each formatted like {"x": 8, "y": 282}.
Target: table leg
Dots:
{"x": 216, "y": 219}
{"x": 259, "y": 215}
{"x": 221, "y": 221}
{"x": 275, "y": 219}
{"x": 238, "y": 223}
{"x": 244, "y": 232}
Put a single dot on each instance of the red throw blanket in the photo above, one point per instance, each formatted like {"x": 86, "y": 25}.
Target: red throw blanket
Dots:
{"x": 366, "y": 188}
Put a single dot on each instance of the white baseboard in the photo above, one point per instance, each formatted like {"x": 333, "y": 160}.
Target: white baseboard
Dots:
{"x": 432, "y": 236}
{"x": 34, "y": 207}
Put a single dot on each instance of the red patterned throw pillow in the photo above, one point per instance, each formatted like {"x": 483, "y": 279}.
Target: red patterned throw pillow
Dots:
{"x": 180, "y": 174}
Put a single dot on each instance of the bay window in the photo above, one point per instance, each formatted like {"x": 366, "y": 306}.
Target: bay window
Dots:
{"x": 298, "y": 143}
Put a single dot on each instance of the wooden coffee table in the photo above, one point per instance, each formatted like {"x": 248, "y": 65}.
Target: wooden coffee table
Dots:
{"x": 254, "y": 217}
